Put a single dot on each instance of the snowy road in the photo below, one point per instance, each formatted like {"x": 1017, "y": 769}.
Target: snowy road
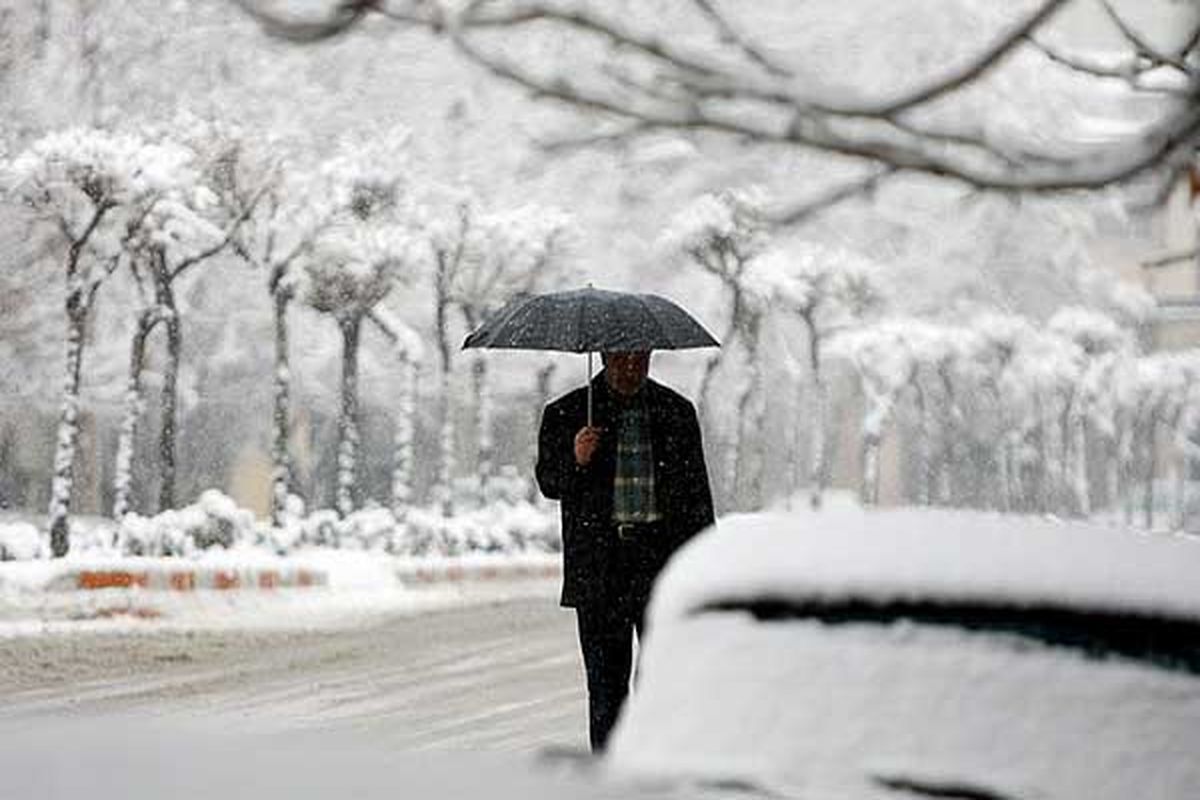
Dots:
{"x": 504, "y": 676}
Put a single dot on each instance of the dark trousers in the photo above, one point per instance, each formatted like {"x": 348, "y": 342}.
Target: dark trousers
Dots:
{"x": 606, "y": 633}
{"x": 606, "y": 641}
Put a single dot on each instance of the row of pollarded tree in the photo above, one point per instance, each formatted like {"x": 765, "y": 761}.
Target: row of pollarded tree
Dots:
{"x": 341, "y": 234}
{"x": 997, "y": 410}
{"x": 1064, "y": 418}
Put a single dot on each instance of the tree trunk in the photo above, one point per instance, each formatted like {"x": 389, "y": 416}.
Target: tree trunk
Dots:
{"x": 718, "y": 358}
{"x": 1112, "y": 471}
{"x": 1127, "y": 458}
{"x": 402, "y": 467}
{"x": 67, "y": 438}
{"x": 1046, "y": 471}
{"x": 483, "y": 426}
{"x": 869, "y": 493}
{"x": 816, "y": 434}
{"x": 1151, "y": 455}
{"x": 443, "y": 490}
{"x": 281, "y": 461}
{"x": 445, "y": 477}
{"x": 748, "y": 417}
{"x": 1079, "y": 463}
{"x": 134, "y": 407}
{"x": 817, "y": 466}
{"x": 1177, "y": 468}
{"x": 169, "y": 405}
{"x": 950, "y": 456}
{"x": 924, "y": 446}
{"x": 347, "y": 473}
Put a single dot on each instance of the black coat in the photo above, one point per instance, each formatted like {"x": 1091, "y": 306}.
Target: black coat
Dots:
{"x": 682, "y": 494}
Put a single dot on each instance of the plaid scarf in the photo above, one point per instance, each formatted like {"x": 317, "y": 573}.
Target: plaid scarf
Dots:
{"x": 633, "y": 482}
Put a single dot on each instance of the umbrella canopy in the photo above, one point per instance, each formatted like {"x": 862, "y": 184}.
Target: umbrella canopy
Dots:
{"x": 591, "y": 320}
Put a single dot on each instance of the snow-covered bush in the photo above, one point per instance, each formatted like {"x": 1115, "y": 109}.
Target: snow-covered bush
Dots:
{"x": 19, "y": 541}
{"x": 215, "y": 520}
{"x": 506, "y": 525}
{"x": 499, "y": 527}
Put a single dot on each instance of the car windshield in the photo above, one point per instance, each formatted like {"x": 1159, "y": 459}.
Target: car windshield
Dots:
{"x": 1166, "y": 643}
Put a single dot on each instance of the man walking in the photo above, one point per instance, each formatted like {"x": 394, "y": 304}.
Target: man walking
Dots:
{"x": 633, "y": 487}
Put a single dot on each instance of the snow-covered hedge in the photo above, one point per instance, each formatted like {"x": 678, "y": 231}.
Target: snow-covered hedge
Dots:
{"x": 215, "y": 520}
{"x": 506, "y": 525}
{"x": 501, "y": 527}
{"x": 19, "y": 541}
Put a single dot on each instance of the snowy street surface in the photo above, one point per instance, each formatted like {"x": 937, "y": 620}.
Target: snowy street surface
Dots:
{"x": 501, "y": 675}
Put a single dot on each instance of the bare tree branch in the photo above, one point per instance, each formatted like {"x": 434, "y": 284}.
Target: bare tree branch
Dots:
{"x": 670, "y": 88}
{"x": 566, "y": 144}
{"x": 802, "y": 212}
{"x": 524, "y": 13}
{"x": 1143, "y": 46}
{"x": 740, "y": 41}
{"x": 1081, "y": 64}
{"x": 982, "y": 63}
{"x": 1172, "y": 258}
{"x": 212, "y": 250}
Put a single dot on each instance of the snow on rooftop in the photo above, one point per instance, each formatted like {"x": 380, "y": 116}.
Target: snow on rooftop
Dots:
{"x": 939, "y": 556}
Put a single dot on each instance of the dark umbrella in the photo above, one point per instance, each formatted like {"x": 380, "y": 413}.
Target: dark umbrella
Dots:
{"x": 591, "y": 320}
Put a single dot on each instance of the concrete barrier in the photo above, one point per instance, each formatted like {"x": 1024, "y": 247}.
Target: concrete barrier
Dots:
{"x": 178, "y": 578}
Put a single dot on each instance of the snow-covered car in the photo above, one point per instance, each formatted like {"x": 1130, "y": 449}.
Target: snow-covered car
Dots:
{"x": 913, "y": 653}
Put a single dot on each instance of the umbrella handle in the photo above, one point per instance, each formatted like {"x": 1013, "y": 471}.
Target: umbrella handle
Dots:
{"x": 589, "y": 388}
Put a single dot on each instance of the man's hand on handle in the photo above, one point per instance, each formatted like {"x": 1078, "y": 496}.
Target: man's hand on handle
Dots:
{"x": 586, "y": 442}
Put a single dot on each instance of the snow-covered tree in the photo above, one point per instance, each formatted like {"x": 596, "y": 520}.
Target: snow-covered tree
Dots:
{"x": 722, "y": 234}
{"x": 184, "y": 230}
{"x": 827, "y": 289}
{"x": 509, "y": 253}
{"x": 410, "y": 353}
{"x": 353, "y": 267}
{"x": 97, "y": 189}
{"x": 882, "y": 357}
{"x": 278, "y": 234}
{"x": 450, "y": 228}
{"x": 1160, "y": 394}
{"x": 1101, "y": 343}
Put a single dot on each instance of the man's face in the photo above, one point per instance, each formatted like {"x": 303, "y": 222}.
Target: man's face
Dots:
{"x": 626, "y": 371}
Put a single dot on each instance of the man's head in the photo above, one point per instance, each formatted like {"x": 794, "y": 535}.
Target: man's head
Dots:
{"x": 627, "y": 371}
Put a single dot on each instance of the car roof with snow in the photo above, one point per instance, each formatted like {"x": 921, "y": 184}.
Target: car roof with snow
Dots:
{"x": 928, "y": 557}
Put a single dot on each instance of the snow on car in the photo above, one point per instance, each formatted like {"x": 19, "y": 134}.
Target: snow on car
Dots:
{"x": 911, "y": 653}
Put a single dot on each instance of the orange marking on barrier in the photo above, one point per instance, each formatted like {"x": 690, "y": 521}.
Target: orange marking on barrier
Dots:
{"x": 225, "y": 580}
{"x": 111, "y": 579}
{"x": 268, "y": 580}
{"x": 182, "y": 581}
{"x": 455, "y": 573}
{"x": 489, "y": 572}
